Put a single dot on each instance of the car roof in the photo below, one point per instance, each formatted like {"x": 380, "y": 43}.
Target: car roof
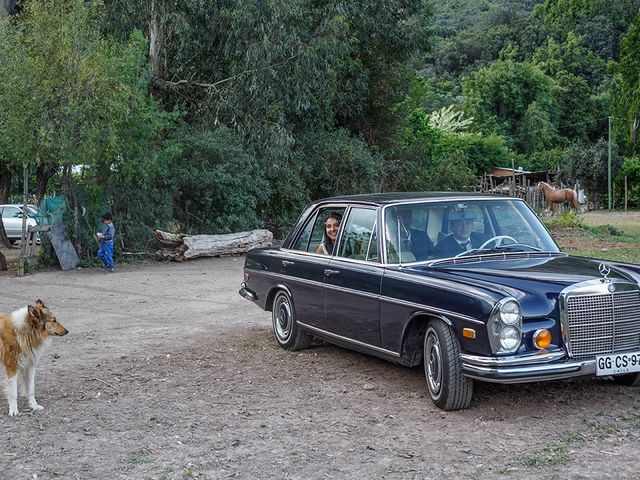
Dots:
{"x": 395, "y": 197}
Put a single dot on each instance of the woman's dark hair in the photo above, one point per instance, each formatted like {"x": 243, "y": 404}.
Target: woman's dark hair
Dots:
{"x": 335, "y": 215}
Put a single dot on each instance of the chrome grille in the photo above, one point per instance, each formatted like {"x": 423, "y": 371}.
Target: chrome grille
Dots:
{"x": 603, "y": 323}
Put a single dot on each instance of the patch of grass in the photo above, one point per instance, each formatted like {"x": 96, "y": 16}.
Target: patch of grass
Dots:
{"x": 608, "y": 429}
{"x": 248, "y": 345}
{"x": 551, "y": 454}
{"x": 505, "y": 470}
{"x": 633, "y": 420}
{"x": 139, "y": 458}
{"x": 615, "y": 240}
{"x": 627, "y": 223}
{"x": 625, "y": 254}
{"x": 188, "y": 472}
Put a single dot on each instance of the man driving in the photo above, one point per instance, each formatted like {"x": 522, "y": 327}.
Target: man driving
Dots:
{"x": 463, "y": 236}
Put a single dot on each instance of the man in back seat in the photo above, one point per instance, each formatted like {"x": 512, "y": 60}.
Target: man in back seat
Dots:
{"x": 406, "y": 239}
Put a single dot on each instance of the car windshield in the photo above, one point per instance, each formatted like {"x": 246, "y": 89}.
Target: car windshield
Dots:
{"x": 437, "y": 230}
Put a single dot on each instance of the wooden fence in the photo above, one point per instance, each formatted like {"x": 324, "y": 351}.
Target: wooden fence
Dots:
{"x": 520, "y": 187}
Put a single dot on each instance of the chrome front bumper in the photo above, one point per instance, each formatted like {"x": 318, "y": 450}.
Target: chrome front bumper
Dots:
{"x": 535, "y": 367}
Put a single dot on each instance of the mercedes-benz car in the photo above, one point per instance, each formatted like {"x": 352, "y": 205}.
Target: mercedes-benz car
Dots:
{"x": 471, "y": 286}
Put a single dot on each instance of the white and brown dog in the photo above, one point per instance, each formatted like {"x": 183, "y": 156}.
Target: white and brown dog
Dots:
{"x": 24, "y": 334}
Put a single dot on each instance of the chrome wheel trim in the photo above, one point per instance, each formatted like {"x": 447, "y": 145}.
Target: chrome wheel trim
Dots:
{"x": 433, "y": 357}
{"x": 282, "y": 318}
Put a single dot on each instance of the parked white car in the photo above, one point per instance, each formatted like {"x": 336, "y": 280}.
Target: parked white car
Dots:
{"x": 12, "y": 219}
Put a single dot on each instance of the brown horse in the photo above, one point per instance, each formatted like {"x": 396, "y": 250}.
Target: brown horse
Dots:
{"x": 554, "y": 195}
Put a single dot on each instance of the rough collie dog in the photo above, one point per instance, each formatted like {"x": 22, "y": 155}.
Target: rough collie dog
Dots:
{"x": 24, "y": 334}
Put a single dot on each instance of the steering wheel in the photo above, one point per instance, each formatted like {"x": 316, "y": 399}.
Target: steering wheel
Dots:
{"x": 498, "y": 239}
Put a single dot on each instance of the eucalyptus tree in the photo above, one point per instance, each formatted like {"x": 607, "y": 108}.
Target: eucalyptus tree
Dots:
{"x": 625, "y": 90}
{"x": 599, "y": 24}
{"x": 281, "y": 74}
{"x": 516, "y": 100}
{"x": 588, "y": 164}
{"x": 71, "y": 97}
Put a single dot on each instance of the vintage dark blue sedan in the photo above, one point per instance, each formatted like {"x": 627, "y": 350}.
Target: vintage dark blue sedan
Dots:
{"x": 470, "y": 285}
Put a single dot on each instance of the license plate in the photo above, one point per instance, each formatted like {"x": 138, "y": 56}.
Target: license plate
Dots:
{"x": 618, "y": 363}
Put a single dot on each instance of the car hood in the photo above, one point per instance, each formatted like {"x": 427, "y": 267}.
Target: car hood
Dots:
{"x": 535, "y": 281}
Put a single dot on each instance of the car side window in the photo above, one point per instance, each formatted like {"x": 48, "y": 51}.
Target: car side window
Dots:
{"x": 11, "y": 212}
{"x": 356, "y": 241}
{"x": 320, "y": 232}
{"x": 302, "y": 243}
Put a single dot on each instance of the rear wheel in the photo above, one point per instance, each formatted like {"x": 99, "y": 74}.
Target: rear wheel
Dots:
{"x": 449, "y": 389}
{"x": 288, "y": 333}
{"x": 628, "y": 380}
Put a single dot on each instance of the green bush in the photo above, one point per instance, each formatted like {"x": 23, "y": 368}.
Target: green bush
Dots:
{"x": 631, "y": 170}
{"x": 565, "y": 220}
{"x": 605, "y": 230}
{"x": 216, "y": 183}
{"x": 337, "y": 164}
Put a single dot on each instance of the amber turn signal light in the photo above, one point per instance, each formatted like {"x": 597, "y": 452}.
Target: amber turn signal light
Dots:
{"x": 542, "y": 338}
{"x": 468, "y": 333}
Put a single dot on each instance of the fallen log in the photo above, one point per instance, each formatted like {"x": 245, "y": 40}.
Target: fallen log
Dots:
{"x": 180, "y": 247}
{"x": 169, "y": 239}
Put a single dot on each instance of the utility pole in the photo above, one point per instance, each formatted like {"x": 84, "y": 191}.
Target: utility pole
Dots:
{"x": 609, "y": 166}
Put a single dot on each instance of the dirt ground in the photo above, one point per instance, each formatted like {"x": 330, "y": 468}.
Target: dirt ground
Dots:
{"x": 168, "y": 373}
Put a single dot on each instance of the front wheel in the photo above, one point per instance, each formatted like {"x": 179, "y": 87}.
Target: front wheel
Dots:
{"x": 628, "y": 380}
{"x": 288, "y": 333}
{"x": 449, "y": 389}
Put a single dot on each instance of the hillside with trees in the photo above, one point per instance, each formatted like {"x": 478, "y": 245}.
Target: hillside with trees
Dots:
{"x": 215, "y": 117}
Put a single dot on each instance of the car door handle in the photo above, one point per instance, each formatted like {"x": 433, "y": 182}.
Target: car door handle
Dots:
{"x": 286, "y": 263}
{"x": 328, "y": 272}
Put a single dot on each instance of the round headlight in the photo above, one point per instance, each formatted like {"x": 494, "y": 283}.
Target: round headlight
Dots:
{"x": 510, "y": 312}
{"x": 509, "y": 338}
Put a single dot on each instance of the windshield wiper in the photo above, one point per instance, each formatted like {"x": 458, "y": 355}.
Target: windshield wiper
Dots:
{"x": 514, "y": 247}
{"x": 517, "y": 247}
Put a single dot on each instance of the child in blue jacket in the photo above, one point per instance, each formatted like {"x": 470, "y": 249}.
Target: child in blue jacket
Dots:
{"x": 105, "y": 253}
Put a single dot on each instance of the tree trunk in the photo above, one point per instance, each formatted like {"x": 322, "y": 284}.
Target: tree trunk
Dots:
{"x": 43, "y": 175}
{"x": 3, "y": 262}
{"x": 633, "y": 141}
{"x": 4, "y": 240}
{"x": 5, "y": 184}
{"x": 156, "y": 40}
{"x": 183, "y": 247}
{"x": 7, "y": 7}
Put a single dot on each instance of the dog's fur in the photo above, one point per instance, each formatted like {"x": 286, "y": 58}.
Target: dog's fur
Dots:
{"x": 24, "y": 334}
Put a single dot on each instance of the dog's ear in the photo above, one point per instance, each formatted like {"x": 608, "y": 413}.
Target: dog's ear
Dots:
{"x": 34, "y": 311}
{"x": 37, "y": 314}
{"x": 39, "y": 303}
